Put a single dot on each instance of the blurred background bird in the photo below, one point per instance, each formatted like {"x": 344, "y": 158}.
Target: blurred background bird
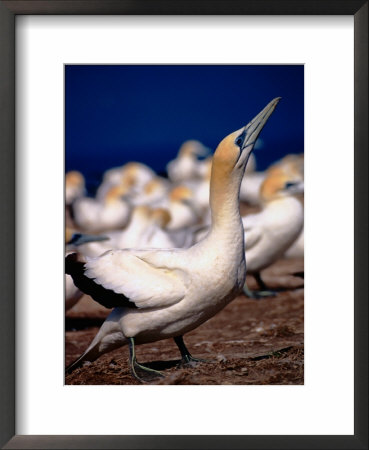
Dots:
{"x": 271, "y": 232}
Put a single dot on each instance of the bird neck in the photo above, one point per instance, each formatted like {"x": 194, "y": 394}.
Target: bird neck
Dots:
{"x": 137, "y": 225}
{"x": 224, "y": 198}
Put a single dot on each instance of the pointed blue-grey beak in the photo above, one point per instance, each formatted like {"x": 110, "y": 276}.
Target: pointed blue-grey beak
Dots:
{"x": 80, "y": 239}
{"x": 252, "y": 130}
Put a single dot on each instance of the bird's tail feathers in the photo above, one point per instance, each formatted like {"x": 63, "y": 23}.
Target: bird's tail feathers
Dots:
{"x": 90, "y": 355}
{"x": 108, "y": 338}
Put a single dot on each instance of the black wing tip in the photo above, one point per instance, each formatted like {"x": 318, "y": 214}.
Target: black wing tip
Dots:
{"x": 106, "y": 297}
{"x": 71, "y": 257}
{"x": 70, "y": 262}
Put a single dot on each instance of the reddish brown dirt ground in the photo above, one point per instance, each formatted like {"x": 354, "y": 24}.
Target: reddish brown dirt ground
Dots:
{"x": 249, "y": 342}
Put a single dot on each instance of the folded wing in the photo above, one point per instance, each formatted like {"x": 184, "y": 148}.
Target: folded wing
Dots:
{"x": 141, "y": 276}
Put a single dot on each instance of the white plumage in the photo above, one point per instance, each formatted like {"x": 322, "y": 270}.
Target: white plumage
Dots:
{"x": 187, "y": 166}
{"x": 94, "y": 216}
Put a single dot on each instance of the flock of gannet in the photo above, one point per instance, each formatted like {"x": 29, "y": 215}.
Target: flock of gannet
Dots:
{"x": 174, "y": 252}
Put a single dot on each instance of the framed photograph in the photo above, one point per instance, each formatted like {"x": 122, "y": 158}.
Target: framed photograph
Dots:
{"x": 71, "y": 72}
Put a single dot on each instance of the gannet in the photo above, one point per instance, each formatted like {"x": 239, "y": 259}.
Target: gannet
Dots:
{"x": 92, "y": 215}
{"x": 152, "y": 193}
{"x": 74, "y": 186}
{"x": 201, "y": 189}
{"x": 165, "y": 293}
{"x": 186, "y": 166}
{"x": 269, "y": 233}
{"x": 127, "y": 237}
{"x": 156, "y": 235}
{"x": 252, "y": 181}
{"x": 132, "y": 175}
{"x": 181, "y": 208}
{"x": 144, "y": 230}
{"x": 292, "y": 163}
{"x": 204, "y": 165}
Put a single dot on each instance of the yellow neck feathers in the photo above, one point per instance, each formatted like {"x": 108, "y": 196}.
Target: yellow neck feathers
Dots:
{"x": 180, "y": 193}
{"x": 161, "y": 216}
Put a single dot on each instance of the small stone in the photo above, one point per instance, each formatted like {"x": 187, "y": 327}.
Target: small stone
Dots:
{"x": 221, "y": 358}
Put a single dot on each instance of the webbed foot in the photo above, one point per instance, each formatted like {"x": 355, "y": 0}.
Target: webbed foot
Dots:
{"x": 190, "y": 361}
{"x": 137, "y": 367}
{"x": 187, "y": 359}
{"x": 257, "y": 295}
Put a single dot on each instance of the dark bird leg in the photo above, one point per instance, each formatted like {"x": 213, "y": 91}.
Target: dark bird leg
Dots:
{"x": 136, "y": 365}
{"x": 264, "y": 292}
{"x": 299, "y": 274}
{"x": 187, "y": 358}
{"x": 260, "y": 281}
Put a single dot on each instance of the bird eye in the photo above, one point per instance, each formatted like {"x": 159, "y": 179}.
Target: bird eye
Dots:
{"x": 239, "y": 141}
{"x": 289, "y": 184}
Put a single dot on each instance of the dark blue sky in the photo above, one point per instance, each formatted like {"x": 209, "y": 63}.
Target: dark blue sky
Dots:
{"x": 118, "y": 113}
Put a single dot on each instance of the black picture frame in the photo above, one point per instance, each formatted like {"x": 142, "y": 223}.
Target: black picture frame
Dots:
{"x": 8, "y": 11}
